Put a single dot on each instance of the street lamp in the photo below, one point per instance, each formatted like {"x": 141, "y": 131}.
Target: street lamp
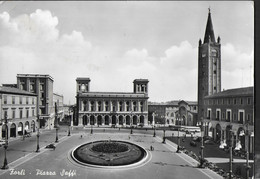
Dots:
{"x": 131, "y": 131}
{"x": 38, "y": 133}
{"x": 202, "y": 146}
{"x": 5, "y": 166}
{"x": 247, "y": 153}
{"x": 178, "y": 147}
{"x": 154, "y": 134}
{"x": 91, "y": 129}
{"x": 56, "y": 118}
{"x": 69, "y": 123}
{"x": 163, "y": 136}
{"x": 230, "y": 152}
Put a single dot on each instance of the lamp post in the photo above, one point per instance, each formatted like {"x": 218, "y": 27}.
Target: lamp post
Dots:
{"x": 230, "y": 152}
{"x": 178, "y": 147}
{"x": 91, "y": 129}
{"x": 131, "y": 130}
{"x": 247, "y": 153}
{"x": 5, "y": 166}
{"x": 56, "y": 119}
{"x": 202, "y": 146}
{"x": 69, "y": 123}
{"x": 38, "y": 134}
{"x": 163, "y": 136}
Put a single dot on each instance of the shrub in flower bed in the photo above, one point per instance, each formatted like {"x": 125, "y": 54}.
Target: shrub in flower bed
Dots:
{"x": 110, "y": 147}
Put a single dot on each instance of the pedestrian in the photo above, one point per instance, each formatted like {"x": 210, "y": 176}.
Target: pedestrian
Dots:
{"x": 81, "y": 136}
{"x": 151, "y": 147}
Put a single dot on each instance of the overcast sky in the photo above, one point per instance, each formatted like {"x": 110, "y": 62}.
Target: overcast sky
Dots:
{"x": 114, "y": 43}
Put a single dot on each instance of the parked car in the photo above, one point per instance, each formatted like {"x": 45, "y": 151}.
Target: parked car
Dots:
{"x": 51, "y": 146}
{"x": 2, "y": 143}
{"x": 209, "y": 142}
{"x": 193, "y": 143}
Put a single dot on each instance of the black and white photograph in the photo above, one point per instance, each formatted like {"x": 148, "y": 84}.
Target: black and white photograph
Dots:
{"x": 127, "y": 89}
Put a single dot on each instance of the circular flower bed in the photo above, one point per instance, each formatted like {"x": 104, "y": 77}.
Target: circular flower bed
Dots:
{"x": 108, "y": 153}
{"x": 110, "y": 147}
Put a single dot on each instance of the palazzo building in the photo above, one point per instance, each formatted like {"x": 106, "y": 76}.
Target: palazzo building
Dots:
{"x": 111, "y": 108}
{"x": 19, "y": 108}
{"x": 173, "y": 113}
{"x": 228, "y": 114}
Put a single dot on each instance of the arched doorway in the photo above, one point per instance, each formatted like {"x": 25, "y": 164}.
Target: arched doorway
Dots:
{"x": 26, "y": 126}
{"x": 142, "y": 120}
{"x": 92, "y": 120}
{"x": 120, "y": 120}
{"x": 4, "y": 131}
{"x": 85, "y": 120}
{"x": 99, "y": 120}
{"x": 106, "y": 120}
{"x": 13, "y": 130}
{"x": 20, "y": 128}
{"x": 113, "y": 120}
{"x": 33, "y": 126}
{"x": 135, "y": 120}
{"x": 218, "y": 133}
{"x": 127, "y": 120}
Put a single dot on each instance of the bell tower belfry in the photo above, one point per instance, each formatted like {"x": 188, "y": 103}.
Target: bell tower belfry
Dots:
{"x": 209, "y": 66}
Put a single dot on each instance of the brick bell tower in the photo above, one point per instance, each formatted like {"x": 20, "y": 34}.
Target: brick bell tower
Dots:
{"x": 209, "y": 67}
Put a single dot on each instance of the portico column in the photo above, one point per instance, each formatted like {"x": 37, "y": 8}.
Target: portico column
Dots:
{"x": 80, "y": 121}
{"x": 124, "y": 120}
{"x": 103, "y": 120}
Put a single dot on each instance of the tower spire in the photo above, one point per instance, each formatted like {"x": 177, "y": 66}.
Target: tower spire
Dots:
{"x": 209, "y": 33}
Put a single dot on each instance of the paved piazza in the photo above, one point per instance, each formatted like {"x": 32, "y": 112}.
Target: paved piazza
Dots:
{"x": 163, "y": 161}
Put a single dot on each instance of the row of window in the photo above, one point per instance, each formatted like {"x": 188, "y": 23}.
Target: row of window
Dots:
{"x": 229, "y": 101}
{"x": 32, "y": 86}
{"x": 28, "y": 100}
{"x": 107, "y": 106}
{"x": 238, "y": 116}
{"x": 28, "y": 113}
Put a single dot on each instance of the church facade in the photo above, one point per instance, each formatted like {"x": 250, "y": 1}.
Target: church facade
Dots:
{"x": 111, "y": 108}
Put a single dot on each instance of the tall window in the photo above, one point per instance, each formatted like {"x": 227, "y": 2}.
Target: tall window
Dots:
{"x": 228, "y": 115}
{"x": 27, "y": 113}
{"x": 92, "y": 107}
{"x": 209, "y": 114}
{"x": 241, "y": 101}
{"x": 5, "y": 113}
{"x": 13, "y": 116}
{"x": 218, "y": 115}
{"x": 134, "y": 106}
{"x": 13, "y": 100}
{"x": 120, "y": 106}
{"x": 84, "y": 105}
{"x": 127, "y": 106}
{"x": 106, "y": 106}
{"x": 99, "y": 106}
{"x": 33, "y": 112}
{"x": 21, "y": 100}
{"x": 32, "y": 100}
{"x": 235, "y": 101}
{"x": 114, "y": 106}
{"x": 41, "y": 87}
{"x": 248, "y": 100}
{"x": 241, "y": 116}
{"x": 27, "y": 100}
{"x": 21, "y": 113}
{"x": 141, "y": 106}
{"x": 5, "y": 99}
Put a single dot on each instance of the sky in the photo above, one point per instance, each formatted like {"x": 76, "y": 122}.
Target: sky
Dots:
{"x": 115, "y": 42}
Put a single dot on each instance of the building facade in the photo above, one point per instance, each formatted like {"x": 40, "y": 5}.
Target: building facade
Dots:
{"x": 19, "y": 108}
{"x": 111, "y": 108}
{"x": 226, "y": 115}
{"x": 231, "y": 110}
{"x": 173, "y": 113}
{"x": 42, "y": 85}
